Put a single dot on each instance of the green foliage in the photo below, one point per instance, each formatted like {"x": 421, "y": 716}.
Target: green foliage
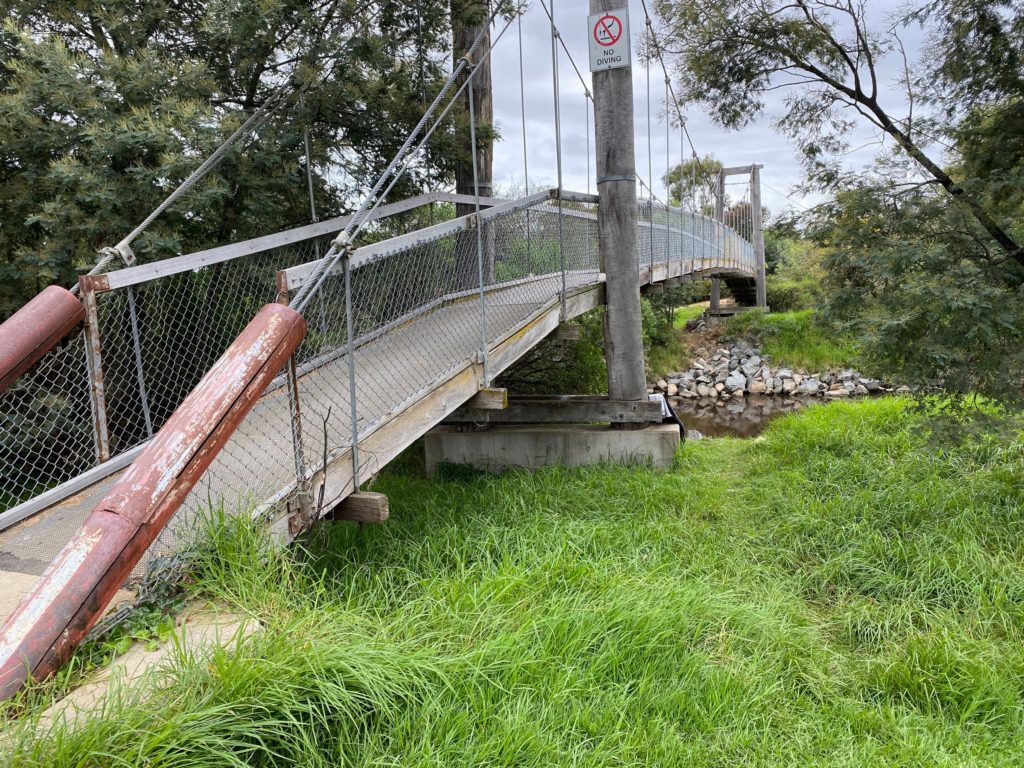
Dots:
{"x": 563, "y": 367}
{"x": 922, "y": 252}
{"x": 927, "y": 305}
{"x": 683, "y": 315}
{"x": 799, "y": 339}
{"x": 578, "y": 367}
{"x": 107, "y": 107}
{"x": 791, "y": 600}
{"x": 692, "y": 183}
{"x": 664, "y": 305}
{"x": 796, "y": 281}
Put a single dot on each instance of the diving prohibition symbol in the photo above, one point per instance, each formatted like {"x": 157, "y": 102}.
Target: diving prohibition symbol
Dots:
{"x": 607, "y": 30}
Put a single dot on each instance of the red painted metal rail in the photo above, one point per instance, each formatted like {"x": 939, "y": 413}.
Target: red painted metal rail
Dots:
{"x": 34, "y": 329}
{"x": 72, "y": 593}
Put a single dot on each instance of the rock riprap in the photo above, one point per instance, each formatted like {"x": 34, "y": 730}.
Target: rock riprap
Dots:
{"x": 724, "y": 373}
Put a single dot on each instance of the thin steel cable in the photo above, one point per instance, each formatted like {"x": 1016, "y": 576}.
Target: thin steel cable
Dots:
{"x": 650, "y": 161}
{"x": 522, "y": 109}
{"x": 658, "y": 51}
{"x": 526, "y": 162}
{"x": 411, "y": 155}
{"x": 395, "y": 168}
{"x": 668, "y": 192}
{"x": 426, "y": 137}
{"x": 254, "y": 121}
{"x": 309, "y": 160}
{"x": 558, "y": 148}
{"x": 586, "y": 113}
{"x": 568, "y": 53}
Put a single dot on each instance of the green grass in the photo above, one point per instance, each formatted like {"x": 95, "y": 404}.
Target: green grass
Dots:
{"x": 683, "y": 315}
{"x": 799, "y": 339}
{"x": 669, "y": 354}
{"x": 832, "y": 593}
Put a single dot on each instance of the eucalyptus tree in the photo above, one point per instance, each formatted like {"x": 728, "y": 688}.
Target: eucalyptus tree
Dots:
{"x": 923, "y": 246}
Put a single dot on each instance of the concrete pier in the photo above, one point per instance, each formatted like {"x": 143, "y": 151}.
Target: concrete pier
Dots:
{"x": 545, "y": 445}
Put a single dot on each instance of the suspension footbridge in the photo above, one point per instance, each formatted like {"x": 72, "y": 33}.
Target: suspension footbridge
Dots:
{"x": 374, "y": 344}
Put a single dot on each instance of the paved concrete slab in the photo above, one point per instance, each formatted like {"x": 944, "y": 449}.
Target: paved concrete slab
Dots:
{"x": 199, "y": 630}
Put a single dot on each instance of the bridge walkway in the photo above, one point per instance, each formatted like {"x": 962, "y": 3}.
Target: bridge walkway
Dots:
{"x": 410, "y": 373}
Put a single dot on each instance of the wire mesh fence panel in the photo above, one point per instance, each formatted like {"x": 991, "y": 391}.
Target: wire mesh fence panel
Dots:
{"x": 181, "y": 324}
{"x": 46, "y": 430}
{"x": 159, "y": 329}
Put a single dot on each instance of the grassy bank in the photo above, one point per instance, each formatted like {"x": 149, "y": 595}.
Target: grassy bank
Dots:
{"x": 799, "y": 339}
{"x": 833, "y": 593}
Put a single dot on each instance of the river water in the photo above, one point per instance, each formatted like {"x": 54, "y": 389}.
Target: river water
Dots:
{"x": 739, "y": 417}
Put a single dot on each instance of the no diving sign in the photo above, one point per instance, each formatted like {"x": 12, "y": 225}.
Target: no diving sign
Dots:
{"x": 609, "y": 39}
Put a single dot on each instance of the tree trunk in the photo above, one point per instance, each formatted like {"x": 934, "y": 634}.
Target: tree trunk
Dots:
{"x": 469, "y": 20}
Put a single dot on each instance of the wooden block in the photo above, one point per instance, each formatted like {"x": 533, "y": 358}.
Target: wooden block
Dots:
{"x": 653, "y": 289}
{"x": 489, "y": 399}
{"x": 362, "y": 507}
{"x": 568, "y": 332}
{"x": 672, "y": 282}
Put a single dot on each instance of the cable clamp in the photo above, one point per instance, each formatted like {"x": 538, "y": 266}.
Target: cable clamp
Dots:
{"x": 343, "y": 242}
{"x": 121, "y": 251}
{"x": 469, "y": 62}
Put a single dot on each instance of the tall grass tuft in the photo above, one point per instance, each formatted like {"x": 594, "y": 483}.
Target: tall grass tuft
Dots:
{"x": 832, "y": 593}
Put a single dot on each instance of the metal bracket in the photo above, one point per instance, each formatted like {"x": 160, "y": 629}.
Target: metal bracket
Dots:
{"x": 343, "y": 242}
{"x": 603, "y": 179}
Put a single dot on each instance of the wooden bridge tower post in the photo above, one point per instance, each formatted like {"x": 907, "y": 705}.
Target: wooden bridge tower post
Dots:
{"x": 616, "y": 224}
{"x": 758, "y": 235}
{"x": 716, "y": 283}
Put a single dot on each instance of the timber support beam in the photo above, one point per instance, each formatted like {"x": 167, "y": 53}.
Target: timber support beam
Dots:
{"x": 561, "y": 409}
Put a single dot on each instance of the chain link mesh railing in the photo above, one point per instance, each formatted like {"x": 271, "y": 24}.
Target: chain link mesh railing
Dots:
{"x": 697, "y": 243}
{"x": 417, "y": 310}
{"x": 156, "y": 329}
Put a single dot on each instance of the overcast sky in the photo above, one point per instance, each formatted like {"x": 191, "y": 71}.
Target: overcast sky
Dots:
{"x": 758, "y": 143}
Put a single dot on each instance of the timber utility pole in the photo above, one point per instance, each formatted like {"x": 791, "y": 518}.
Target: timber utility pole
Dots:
{"x": 612, "y": 77}
{"x": 469, "y": 20}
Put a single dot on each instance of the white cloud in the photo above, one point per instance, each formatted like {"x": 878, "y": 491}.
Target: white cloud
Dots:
{"x": 756, "y": 143}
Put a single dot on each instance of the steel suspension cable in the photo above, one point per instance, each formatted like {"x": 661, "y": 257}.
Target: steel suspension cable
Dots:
{"x": 658, "y": 52}
{"x": 558, "y": 34}
{"x": 309, "y": 161}
{"x": 123, "y": 249}
{"x": 558, "y": 148}
{"x": 342, "y": 244}
{"x": 650, "y": 161}
{"x": 525, "y": 155}
{"x": 522, "y": 109}
{"x": 255, "y": 120}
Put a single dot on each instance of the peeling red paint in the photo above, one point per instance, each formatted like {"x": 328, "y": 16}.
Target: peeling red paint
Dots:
{"x": 70, "y": 596}
{"x": 34, "y": 329}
